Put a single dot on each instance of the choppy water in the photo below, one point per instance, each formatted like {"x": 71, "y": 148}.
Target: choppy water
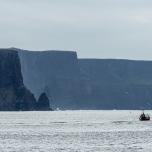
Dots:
{"x": 74, "y": 131}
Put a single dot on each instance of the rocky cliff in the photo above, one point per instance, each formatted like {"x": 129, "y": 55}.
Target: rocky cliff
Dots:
{"x": 13, "y": 94}
{"x": 54, "y": 72}
{"x": 72, "y": 83}
{"x": 116, "y": 84}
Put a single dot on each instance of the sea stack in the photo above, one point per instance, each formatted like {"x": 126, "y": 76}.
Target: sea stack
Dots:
{"x": 43, "y": 103}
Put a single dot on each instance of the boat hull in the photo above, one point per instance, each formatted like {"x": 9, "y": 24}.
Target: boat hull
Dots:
{"x": 144, "y": 119}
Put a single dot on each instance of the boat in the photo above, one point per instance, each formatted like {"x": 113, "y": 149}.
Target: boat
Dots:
{"x": 144, "y": 117}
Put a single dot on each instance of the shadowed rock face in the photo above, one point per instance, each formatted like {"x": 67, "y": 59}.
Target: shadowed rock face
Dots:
{"x": 10, "y": 73}
{"x": 43, "y": 103}
{"x": 13, "y": 94}
{"x": 25, "y": 100}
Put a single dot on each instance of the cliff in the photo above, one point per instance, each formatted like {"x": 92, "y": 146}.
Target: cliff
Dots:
{"x": 13, "y": 94}
{"x": 116, "y": 84}
{"x": 72, "y": 83}
{"x": 54, "y": 72}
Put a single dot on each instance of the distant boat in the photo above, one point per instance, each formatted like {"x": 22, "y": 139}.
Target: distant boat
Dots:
{"x": 144, "y": 117}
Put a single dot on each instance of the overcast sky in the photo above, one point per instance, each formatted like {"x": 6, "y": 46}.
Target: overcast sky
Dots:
{"x": 93, "y": 28}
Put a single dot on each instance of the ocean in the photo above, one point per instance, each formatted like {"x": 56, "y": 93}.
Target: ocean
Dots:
{"x": 75, "y": 131}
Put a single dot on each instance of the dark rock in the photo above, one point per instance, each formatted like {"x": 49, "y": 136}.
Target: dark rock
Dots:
{"x": 25, "y": 100}
{"x": 13, "y": 94}
{"x": 43, "y": 103}
{"x": 10, "y": 70}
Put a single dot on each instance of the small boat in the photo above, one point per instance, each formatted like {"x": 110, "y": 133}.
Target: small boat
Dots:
{"x": 144, "y": 117}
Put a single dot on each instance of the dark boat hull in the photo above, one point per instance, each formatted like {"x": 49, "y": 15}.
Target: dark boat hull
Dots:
{"x": 144, "y": 119}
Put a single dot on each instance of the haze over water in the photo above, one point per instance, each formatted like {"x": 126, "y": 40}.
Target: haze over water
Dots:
{"x": 74, "y": 131}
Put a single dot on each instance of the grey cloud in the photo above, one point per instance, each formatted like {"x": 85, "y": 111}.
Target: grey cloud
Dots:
{"x": 94, "y": 28}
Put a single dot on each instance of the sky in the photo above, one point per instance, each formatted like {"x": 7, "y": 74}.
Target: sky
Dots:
{"x": 93, "y": 28}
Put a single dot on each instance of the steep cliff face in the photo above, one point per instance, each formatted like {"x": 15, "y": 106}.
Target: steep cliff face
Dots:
{"x": 10, "y": 74}
{"x": 54, "y": 72}
{"x": 116, "y": 84}
{"x": 72, "y": 83}
{"x": 110, "y": 71}
{"x": 13, "y": 94}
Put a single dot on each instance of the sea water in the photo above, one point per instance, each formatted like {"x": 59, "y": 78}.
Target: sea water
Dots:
{"x": 75, "y": 131}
